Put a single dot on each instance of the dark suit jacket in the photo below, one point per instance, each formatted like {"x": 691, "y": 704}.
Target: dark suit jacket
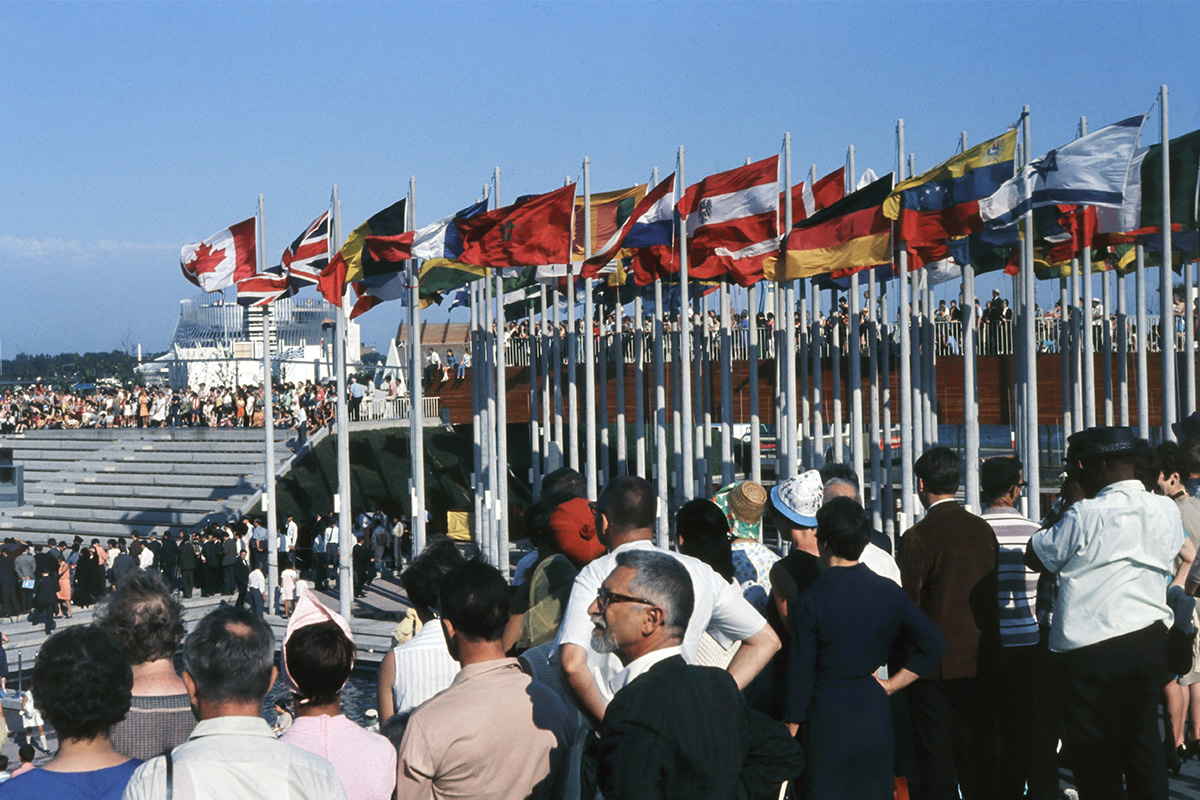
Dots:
{"x": 682, "y": 731}
{"x": 948, "y": 567}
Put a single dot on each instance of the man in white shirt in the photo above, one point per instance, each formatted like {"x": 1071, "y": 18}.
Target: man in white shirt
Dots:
{"x": 1113, "y": 555}
{"x": 290, "y": 532}
{"x": 228, "y": 668}
{"x": 625, "y": 517}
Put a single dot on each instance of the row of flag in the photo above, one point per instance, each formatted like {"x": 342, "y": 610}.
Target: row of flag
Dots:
{"x": 1100, "y": 191}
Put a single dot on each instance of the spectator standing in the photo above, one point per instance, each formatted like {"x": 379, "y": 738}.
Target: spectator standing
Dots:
{"x": 83, "y": 685}
{"x": 228, "y": 663}
{"x": 948, "y": 567}
{"x": 317, "y": 657}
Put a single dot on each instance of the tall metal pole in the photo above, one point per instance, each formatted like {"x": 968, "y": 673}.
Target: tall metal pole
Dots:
{"x": 416, "y": 414}
{"x": 726, "y": 386}
{"x": 856, "y": 399}
{"x": 685, "y": 349}
{"x": 639, "y": 386}
{"x": 491, "y": 463}
{"x": 1166, "y": 321}
{"x": 885, "y": 402}
{"x": 1122, "y": 352}
{"x": 1078, "y": 324}
{"x": 478, "y": 440}
{"x": 752, "y": 364}
{"x": 269, "y": 430}
{"x": 1089, "y": 340}
{"x": 589, "y": 340}
{"x": 532, "y": 342}
{"x": 1189, "y": 340}
{"x": 572, "y": 372}
{"x": 1033, "y": 469}
{"x": 1143, "y": 345}
{"x": 970, "y": 387}
{"x": 618, "y": 343}
{"x": 1106, "y": 366}
{"x": 556, "y": 357}
{"x": 342, "y": 421}
{"x": 661, "y": 481}
{"x": 907, "y": 504}
{"x": 876, "y": 432}
{"x": 1064, "y": 357}
{"x": 787, "y": 427}
{"x": 501, "y": 420}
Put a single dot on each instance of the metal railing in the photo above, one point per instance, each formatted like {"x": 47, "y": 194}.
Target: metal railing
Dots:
{"x": 378, "y": 409}
{"x": 991, "y": 338}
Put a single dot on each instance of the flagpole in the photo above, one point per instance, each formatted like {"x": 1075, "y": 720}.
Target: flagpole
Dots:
{"x": 550, "y": 458}
{"x": 752, "y": 365}
{"x": 704, "y": 470}
{"x": 902, "y": 321}
{"x": 342, "y": 498}
{"x": 1189, "y": 340}
{"x": 785, "y": 352}
{"x": 1089, "y": 341}
{"x": 1106, "y": 367}
{"x": 727, "y": 472}
{"x": 572, "y": 371}
{"x": 931, "y": 415}
{"x": 1122, "y": 351}
{"x": 815, "y": 342}
{"x": 1166, "y": 323}
{"x": 885, "y": 402}
{"x": 639, "y": 384}
{"x": 478, "y": 371}
{"x": 501, "y": 515}
{"x": 1143, "y": 344}
{"x": 589, "y": 341}
{"x": 856, "y": 398}
{"x": 970, "y": 385}
{"x": 685, "y": 347}
{"x": 1033, "y": 472}
{"x": 873, "y": 370}
{"x": 268, "y": 429}
{"x": 1064, "y": 358}
{"x": 491, "y": 459}
{"x": 618, "y": 340}
{"x": 556, "y": 342}
{"x": 917, "y": 298}
{"x": 535, "y": 438}
{"x": 416, "y": 394}
{"x": 599, "y": 369}
{"x": 660, "y": 416}
{"x": 1077, "y": 322}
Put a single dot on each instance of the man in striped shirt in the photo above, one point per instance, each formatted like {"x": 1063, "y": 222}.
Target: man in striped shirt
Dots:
{"x": 1018, "y": 675}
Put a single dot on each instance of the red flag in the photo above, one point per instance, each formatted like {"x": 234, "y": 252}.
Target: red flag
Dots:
{"x": 222, "y": 259}
{"x": 732, "y": 222}
{"x": 332, "y": 283}
{"x": 391, "y": 249}
{"x": 825, "y": 192}
{"x": 533, "y": 231}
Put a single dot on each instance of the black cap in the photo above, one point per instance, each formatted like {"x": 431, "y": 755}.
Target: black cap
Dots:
{"x": 1187, "y": 428}
{"x": 1104, "y": 441}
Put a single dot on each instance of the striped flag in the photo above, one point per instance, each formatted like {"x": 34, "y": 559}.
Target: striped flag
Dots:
{"x": 264, "y": 288}
{"x": 304, "y": 259}
{"x": 647, "y": 226}
{"x": 851, "y": 234}
{"x": 732, "y": 222}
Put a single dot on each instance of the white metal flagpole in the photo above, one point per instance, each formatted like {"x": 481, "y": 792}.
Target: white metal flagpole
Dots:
{"x": 970, "y": 387}
{"x": 685, "y": 349}
{"x": 1033, "y": 472}
{"x": 589, "y": 340}
{"x": 855, "y": 351}
{"x": 341, "y": 500}
{"x": 268, "y": 430}
{"x": 906, "y": 404}
{"x": 1166, "y": 316}
{"x": 416, "y": 413}
{"x": 1143, "y": 345}
{"x": 501, "y": 466}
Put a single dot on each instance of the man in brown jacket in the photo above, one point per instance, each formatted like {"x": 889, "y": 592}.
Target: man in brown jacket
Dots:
{"x": 948, "y": 567}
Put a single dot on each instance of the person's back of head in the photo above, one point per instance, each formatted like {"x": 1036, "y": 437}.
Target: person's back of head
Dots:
{"x": 142, "y": 616}
{"x": 1191, "y": 454}
{"x": 1146, "y": 464}
{"x": 319, "y": 659}
{"x": 81, "y": 683}
{"x": 628, "y": 503}
{"x": 423, "y": 577}
{"x": 1172, "y": 461}
{"x": 26, "y": 753}
{"x": 843, "y": 529}
{"x": 475, "y": 599}
{"x": 940, "y": 469}
{"x": 703, "y": 533}
{"x": 837, "y": 470}
{"x": 230, "y": 656}
{"x": 564, "y": 479}
{"x": 997, "y": 476}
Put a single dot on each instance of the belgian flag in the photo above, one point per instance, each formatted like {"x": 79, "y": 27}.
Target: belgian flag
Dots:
{"x": 354, "y": 261}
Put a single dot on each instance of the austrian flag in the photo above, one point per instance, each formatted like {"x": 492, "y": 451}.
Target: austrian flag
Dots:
{"x": 732, "y": 222}
{"x": 222, "y": 259}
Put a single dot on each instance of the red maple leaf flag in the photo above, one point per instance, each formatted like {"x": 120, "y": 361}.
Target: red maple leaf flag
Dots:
{"x": 222, "y": 259}
{"x": 533, "y": 231}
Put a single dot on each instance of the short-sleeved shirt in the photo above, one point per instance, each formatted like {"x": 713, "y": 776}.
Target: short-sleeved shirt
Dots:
{"x": 1113, "y": 558}
{"x": 424, "y": 667}
{"x": 1016, "y": 584}
{"x": 719, "y": 608}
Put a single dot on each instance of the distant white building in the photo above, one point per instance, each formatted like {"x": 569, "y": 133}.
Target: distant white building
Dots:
{"x": 219, "y": 343}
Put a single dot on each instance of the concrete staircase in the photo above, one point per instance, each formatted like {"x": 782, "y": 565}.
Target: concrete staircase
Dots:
{"x": 102, "y": 483}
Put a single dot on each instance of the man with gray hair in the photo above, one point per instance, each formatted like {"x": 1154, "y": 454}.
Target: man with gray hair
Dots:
{"x": 228, "y": 668}
{"x": 673, "y": 729}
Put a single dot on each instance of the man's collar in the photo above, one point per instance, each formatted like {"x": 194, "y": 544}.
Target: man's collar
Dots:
{"x": 932, "y": 506}
{"x": 640, "y": 665}
{"x": 482, "y": 667}
{"x": 239, "y": 726}
{"x": 636, "y": 544}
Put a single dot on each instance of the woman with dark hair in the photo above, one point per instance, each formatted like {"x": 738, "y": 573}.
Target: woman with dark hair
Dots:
{"x": 703, "y": 533}
{"x": 317, "y": 657}
{"x": 82, "y": 685}
{"x": 843, "y": 629}
{"x": 146, "y": 623}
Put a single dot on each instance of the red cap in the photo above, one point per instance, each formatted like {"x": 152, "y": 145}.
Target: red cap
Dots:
{"x": 573, "y": 527}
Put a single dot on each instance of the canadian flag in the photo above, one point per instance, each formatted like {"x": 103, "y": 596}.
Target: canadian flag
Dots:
{"x": 222, "y": 259}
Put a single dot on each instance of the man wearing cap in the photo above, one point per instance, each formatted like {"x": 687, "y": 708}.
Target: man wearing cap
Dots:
{"x": 947, "y": 565}
{"x": 1021, "y": 666}
{"x": 1112, "y": 553}
{"x": 625, "y": 516}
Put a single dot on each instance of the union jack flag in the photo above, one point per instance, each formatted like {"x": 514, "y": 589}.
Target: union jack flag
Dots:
{"x": 309, "y": 254}
{"x": 264, "y": 288}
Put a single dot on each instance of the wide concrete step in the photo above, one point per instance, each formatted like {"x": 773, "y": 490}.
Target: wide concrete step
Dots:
{"x": 222, "y": 446}
{"x": 189, "y": 457}
{"x": 143, "y": 468}
{"x": 150, "y": 479}
{"x": 40, "y": 529}
{"x": 126, "y": 504}
{"x": 101, "y": 493}
{"x": 87, "y": 516}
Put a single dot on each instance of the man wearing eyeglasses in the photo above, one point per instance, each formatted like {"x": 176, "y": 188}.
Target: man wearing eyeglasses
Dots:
{"x": 673, "y": 729}
{"x": 1018, "y": 680}
{"x": 625, "y": 515}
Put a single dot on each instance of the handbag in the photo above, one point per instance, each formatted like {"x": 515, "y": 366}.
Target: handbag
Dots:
{"x": 27, "y": 583}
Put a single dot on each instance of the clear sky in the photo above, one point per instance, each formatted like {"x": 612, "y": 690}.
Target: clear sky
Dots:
{"x": 130, "y": 129}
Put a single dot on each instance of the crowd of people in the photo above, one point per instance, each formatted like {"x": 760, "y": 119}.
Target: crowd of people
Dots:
{"x": 951, "y": 665}
{"x": 308, "y": 406}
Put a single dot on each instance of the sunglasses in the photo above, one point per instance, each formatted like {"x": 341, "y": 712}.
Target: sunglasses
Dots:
{"x": 605, "y": 598}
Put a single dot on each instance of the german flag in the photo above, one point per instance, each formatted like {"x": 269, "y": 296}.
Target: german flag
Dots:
{"x": 853, "y": 233}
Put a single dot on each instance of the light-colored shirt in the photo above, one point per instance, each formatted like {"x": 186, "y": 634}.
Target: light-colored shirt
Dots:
{"x": 495, "y": 733}
{"x": 718, "y": 608}
{"x": 234, "y": 757}
{"x": 258, "y": 581}
{"x": 1112, "y": 555}
{"x": 1016, "y": 584}
{"x": 639, "y": 665}
{"x": 880, "y": 562}
{"x": 423, "y": 668}
{"x": 365, "y": 761}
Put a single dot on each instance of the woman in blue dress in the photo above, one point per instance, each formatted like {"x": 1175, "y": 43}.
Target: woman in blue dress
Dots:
{"x": 843, "y": 630}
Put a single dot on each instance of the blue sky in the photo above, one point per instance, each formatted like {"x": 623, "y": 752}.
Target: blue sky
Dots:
{"x": 133, "y": 128}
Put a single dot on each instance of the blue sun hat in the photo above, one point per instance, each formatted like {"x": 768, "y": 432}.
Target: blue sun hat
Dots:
{"x": 799, "y": 498}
